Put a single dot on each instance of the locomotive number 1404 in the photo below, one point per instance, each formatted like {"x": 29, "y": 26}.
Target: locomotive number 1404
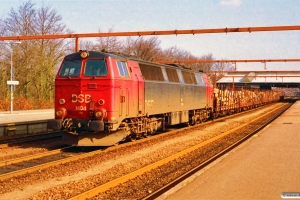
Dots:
{"x": 81, "y": 98}
{"x": 80, "y": 107}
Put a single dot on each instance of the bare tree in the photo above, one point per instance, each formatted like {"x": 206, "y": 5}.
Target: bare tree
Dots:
{"x": 174, "y": 53}
{"x": 36, "y": 61}
{"x": 109, "y": 44}
{"x": 205, "y": 66}
{"x": 21, "y": 22}
{"x": 88, "y": 45}
{"x": 220, "y": 70}
{"x": 128, "y": 46}
{"x": 223, "y": 66}
{"x": 4, "y": 65}
{"x": 146, "y": 49}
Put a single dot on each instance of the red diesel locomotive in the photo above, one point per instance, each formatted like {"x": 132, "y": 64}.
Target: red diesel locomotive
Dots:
{"x": 103, "y": 98}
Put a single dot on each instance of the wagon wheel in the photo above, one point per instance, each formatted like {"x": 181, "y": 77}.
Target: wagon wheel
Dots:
{"x": 215, "y": 115}
{"x": 146, "y": 134}
{"x": 201, "y": 119}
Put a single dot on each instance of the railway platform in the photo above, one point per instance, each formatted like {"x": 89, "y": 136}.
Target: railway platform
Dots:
{"x": 264, "y": 167}
{"x": 25, "y": 115}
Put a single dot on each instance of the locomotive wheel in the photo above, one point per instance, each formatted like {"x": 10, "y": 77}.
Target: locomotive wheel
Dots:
{"x": 146, "y": 134}
{"x": 131, "y": 137}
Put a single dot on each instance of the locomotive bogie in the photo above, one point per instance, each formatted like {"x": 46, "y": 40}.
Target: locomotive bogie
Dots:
{"x": 199, "y": 116}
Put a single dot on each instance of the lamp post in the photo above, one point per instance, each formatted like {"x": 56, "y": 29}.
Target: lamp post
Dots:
{"x": 11, "y": 83}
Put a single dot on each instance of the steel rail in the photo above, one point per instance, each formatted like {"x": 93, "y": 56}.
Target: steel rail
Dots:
{"x": 31, "y": 157}
{"x": 172, "y": 184}
{"x": 121, "y": 180}
{"x": 2, "y": 146}
{"x": 46, "y": 165}
{"x": 32, "y": 169}
{"x": 4, "y": 143}
{"x": 183, "y": 177}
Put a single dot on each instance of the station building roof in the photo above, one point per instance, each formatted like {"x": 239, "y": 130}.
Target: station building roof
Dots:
{"x": 272, "y": 78}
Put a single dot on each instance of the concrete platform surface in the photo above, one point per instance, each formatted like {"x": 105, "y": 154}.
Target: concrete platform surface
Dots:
{"x": 262, "y": 168}
{"x": 26, "y": 115}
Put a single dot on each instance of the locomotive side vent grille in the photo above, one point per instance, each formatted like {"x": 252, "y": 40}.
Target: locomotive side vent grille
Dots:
{"x": 172, "y": 75}
{"x": 189, "y": 78}
{"x": 152, "y": 73}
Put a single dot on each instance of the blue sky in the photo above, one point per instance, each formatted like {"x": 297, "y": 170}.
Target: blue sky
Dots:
{"x": 90, "y": 16}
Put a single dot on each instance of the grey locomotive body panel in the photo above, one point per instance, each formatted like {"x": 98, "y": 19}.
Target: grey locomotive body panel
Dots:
{"x": 162, "y": 97}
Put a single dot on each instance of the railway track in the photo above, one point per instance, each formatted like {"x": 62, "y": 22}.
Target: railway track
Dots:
{"x": 28, "y": 138}
{"x": 12, "y": 141}
{"x": 24, "y": 165}
{"x": 245, "y": 132}
{"x": 28, "y": 133}
{"x": 14, "y": 165}
{"x": 144, "y": 184}
{"x": 115, "y": 162}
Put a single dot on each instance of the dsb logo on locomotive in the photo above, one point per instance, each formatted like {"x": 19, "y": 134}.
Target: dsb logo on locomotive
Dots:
{"x": 81, "y": 98}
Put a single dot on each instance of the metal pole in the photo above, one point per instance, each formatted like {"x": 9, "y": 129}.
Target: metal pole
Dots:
{"x": 11, "y": 73}
{"x": 11, "y": 78}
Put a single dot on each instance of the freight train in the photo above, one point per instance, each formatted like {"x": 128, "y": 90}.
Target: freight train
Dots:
{"x": 103, "y": 98}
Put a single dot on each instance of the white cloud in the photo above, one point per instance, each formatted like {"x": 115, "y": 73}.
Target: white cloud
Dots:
{"x": 231, "y": 2}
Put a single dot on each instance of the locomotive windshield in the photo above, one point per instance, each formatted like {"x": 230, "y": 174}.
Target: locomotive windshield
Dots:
{"x": 95, "y": 68}
{"x": 70, "y": 68}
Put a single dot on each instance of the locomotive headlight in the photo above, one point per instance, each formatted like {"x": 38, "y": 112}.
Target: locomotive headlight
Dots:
{"x": 84, "y": 54}
{"x": 101, "y": 102}
{"x": 61, "y": 112}
{"x": 62, "y": 101}
{"x": 100, "y": 113}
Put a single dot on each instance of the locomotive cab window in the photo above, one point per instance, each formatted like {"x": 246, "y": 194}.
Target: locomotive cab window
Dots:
{"x": 123, "y": 71}
{"x": 70, "y": 68}
{"x": 95, "y": 68}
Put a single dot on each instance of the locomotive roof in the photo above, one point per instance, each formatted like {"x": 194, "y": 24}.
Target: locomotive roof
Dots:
{"x": 93, "y": 54}
{"x": 102, "y": 54}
